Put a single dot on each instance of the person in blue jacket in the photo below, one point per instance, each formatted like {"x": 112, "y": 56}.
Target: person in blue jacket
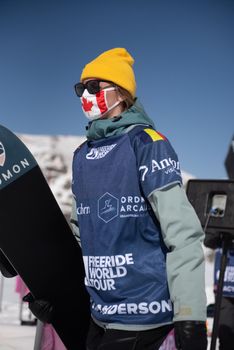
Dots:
{"x": 226, "y": 321}
{"x": 140, "y": 238}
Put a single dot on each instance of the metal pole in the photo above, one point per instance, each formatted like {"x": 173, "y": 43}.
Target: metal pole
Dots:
{"x": 38, "y": 336}
{"x": 1, "y": 291}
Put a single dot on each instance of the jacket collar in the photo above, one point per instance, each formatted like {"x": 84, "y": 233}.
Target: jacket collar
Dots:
{"x": 102, "y": 128}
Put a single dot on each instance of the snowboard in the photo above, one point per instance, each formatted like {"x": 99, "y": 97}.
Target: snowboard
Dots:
{"x": 38, "y": 243}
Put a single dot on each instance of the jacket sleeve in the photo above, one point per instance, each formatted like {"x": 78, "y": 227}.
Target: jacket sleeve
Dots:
{"x": 74, "y": 221}
{"x": 183, "y": 236}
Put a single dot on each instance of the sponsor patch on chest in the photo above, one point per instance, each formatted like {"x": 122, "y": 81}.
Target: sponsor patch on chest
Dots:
{"x": 99, "y": 152}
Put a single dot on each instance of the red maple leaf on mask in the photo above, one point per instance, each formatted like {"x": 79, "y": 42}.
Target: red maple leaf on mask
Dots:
{"x": 87, "y": 105}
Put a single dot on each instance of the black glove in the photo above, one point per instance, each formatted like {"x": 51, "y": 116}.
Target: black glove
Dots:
{"x": 42, "y": 309}
{"x": 190, "y": 335}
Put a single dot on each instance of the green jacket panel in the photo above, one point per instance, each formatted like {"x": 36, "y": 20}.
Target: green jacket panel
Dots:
{"x": 183, "y": 235}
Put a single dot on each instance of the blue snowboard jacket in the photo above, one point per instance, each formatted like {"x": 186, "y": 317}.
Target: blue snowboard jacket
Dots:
{"x": 140, "y": 237}
{"x": 228, "y": 287}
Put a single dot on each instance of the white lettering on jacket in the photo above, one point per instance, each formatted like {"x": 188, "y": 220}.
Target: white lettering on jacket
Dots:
{"x": 102, "y": 271}
{"x": 168, "y": 165}
{"x": 153, "y": 307}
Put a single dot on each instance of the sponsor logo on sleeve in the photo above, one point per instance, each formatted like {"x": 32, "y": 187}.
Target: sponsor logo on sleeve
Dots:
{"x": 166, "y": 165}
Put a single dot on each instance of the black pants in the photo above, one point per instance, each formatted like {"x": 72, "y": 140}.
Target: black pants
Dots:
{"x": 226, "y": 324}
{"x": 111, "y": 339}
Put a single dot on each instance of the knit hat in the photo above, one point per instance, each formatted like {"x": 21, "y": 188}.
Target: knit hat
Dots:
{"x": 114, "y": 65}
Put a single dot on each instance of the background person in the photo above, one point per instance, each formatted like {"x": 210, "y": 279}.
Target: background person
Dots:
{"x": 226, "y": 320}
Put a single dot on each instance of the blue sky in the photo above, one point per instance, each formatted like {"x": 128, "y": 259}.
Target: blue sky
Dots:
{"x": 184, "y": 66}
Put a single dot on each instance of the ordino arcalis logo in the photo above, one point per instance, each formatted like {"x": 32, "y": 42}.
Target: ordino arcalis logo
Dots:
{"x": 2, "y": 154}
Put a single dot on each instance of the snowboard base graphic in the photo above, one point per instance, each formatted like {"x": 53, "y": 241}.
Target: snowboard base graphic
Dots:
{"x": 38, "y": 242}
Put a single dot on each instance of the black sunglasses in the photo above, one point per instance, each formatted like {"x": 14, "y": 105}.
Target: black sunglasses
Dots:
{"x": 93, "y": 87}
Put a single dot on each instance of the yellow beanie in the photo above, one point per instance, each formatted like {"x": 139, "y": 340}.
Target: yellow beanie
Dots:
{"x": 114, "y": 65}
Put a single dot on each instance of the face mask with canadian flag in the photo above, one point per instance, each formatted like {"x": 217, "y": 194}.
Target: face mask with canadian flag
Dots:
{"x": 95, "y": 105}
